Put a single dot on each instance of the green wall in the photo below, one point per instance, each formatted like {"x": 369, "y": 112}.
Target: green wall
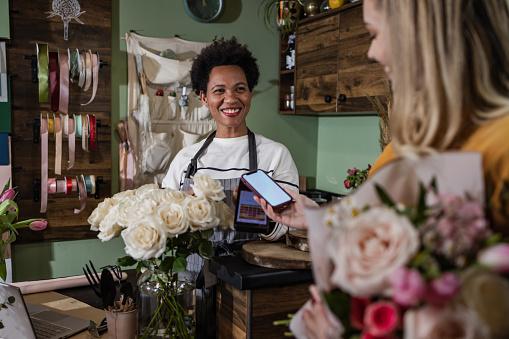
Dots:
{"x": 4, "y": 19}
{"x": 344, "y": 142}
{"x": 165, "y": 18}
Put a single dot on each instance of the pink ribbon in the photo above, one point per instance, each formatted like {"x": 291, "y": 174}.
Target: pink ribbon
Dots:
{"x": 44, "y": 162}
{"x": 71, "y": 142}
{"x": 82, "y": 194}
{"x": 64, "y": 83}
{"x": 95, "y": 71}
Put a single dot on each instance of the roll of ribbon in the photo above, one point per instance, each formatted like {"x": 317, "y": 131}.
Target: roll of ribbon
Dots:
{"x": 42, "y": 71}
{"x": 54, "y": 80}
{"x": 52, "y": 185}
{"x": 93, "y": 133}
{"x": 68, "y": 185}
{"x": 95, "y": 77}
{"x": 44, "y": 161}
{"x": 92, "y": 182}
{"x": 84, "y": 132}
{"x": 82, "y": 194}
{"x": 58, "y": 144}
{"x": 61, "y": 186}
{"x": 64, "y": 83}
{"x": 51, "y": 128}
{"x": 71, "y": 143}
{"x": 88, "y": 184}
{"x": 88, "y": 70}
{"x": 81, "y": 66}
{"x": 78, "y": 122}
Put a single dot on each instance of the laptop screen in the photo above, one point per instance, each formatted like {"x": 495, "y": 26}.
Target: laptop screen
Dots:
{"x": 14, "y": 318}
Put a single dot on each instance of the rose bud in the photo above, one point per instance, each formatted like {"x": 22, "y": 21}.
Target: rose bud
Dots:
{"x": 496, "y": 258}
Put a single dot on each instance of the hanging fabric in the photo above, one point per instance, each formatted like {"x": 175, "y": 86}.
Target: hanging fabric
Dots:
{"x": 164, "y": 113}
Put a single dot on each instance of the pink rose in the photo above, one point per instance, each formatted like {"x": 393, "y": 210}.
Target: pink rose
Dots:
{"x": 408, "y": 287}
{"x": 352, "y": 171}
{"x": 496, "y": 258}
{"x": 381, "y": 319}
{"x": 369, "y": 248}
{"x": 38, "y": 225}
{"x": 347, "y": 183}
{"x": 9, "y": 194}
{"x": 443, "y": 289}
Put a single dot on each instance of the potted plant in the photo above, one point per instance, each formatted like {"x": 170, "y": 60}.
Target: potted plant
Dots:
{"x": 285, "y": 12}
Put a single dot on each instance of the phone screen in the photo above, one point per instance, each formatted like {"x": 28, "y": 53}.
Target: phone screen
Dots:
{"x": 267, "y": 188}
{"x": 249, "y": 216}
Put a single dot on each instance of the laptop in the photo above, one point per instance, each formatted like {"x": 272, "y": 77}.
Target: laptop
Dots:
{"x": 33, "y": 321}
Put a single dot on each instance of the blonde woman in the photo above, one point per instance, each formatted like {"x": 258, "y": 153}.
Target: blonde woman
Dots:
{"x": 450, "y": 79}
{"x": 448, "y": 62}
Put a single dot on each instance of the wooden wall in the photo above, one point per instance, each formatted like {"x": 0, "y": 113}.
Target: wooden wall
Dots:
{"x": 29, "y": 24}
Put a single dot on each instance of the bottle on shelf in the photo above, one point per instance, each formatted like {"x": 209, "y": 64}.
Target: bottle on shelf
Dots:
{"x": 290, "y": 52}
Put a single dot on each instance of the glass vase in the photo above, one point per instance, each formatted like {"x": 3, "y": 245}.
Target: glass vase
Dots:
{"x": 166, "y": 308}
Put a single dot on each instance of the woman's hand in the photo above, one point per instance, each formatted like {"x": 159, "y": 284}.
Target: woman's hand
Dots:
{"x": 293, "y": 215}
{"x": 319, "y": 321}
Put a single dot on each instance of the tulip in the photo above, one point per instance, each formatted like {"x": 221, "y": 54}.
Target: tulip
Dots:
{"x": 408, "y": 287}
{"x": 381, "y": 319}
{"x": 9, "y": 194}
{"x": 496, "y": 258}
{"x": 38, "y": 225}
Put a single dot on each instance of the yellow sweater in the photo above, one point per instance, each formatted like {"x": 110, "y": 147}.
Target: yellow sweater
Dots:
{"x": 492, "y": 141}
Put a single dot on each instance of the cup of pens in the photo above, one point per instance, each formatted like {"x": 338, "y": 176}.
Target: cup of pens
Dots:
{"x": 122, "y": 319}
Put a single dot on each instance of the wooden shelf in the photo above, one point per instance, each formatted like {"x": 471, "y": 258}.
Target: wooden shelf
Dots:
{"x": 287, "y": 71}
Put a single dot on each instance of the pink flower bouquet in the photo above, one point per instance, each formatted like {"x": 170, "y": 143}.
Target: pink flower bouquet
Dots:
{"x": 8, "y": 225}
{"x": 431, "y": 268}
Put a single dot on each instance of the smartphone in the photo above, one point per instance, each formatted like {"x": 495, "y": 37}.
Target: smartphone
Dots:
{"x": 249, "y": 215}
{"x": 265, "y": 187}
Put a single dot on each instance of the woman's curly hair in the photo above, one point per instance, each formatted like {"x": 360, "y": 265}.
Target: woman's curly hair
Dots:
{"x": 222, "y": 53}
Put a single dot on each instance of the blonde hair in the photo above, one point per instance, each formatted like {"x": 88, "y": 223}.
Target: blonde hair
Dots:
{"x": 450, "y": 69}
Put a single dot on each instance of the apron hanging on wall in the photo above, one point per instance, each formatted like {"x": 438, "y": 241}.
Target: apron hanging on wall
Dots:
{"x": 164, "y": 114}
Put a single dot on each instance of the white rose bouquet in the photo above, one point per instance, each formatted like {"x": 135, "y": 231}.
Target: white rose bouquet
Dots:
{"x": 160, "y": 229}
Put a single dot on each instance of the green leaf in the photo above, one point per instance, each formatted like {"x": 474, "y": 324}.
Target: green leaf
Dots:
{"x": 207, "y": 234}
{"x": 433, "y": 184}
{"x": 3, "y": 269}
{"x": 167, "y": 264}
{"x": 420, "y": 213}
{"x": 339, "y": 303}
{"x": 179, "y": 265}
{"x": 384, "y": 197}
{"x": 126, "y": 261}
{"x": 493, "y": 239}
{"x": 205, "y": 249}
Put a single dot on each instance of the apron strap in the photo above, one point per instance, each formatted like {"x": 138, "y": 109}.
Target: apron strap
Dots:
{"x": 193, "y": 165}
{"x": 253, "y": 159}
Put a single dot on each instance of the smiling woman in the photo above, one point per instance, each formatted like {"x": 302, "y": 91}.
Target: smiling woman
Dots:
{"x": 224, "y": 75}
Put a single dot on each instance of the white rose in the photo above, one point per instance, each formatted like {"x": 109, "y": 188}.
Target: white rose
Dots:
{"x": 144, "y": 239}
{"x": 366, "y": 250}
{"x": 142, "y": 191}
{"x": 120, "y": 196}
{"x": 109, "y": 227}
{"x": 173, "y": 217}
{"x": 205, "y": 186}
{"x": 167, "y": 196}
{"x": 133, "y": 209}
{"x": 201, "y": 213}
{"x": 99, "y": 213}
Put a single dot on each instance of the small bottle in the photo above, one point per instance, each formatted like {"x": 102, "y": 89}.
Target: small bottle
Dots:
{"x": 287, "y": 103}
{"x": 292, "y": 97}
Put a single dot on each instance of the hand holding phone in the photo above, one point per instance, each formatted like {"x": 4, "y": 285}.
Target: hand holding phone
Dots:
{"x": 265, "y": 187}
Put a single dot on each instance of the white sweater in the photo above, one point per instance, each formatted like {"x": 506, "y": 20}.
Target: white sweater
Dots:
{"x": 227, "y": 158}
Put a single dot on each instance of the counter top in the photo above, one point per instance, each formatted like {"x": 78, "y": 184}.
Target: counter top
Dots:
{"x": 243, "y": 276}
